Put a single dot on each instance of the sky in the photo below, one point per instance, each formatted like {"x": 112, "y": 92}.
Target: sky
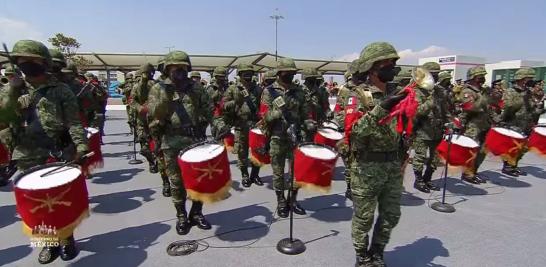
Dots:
{"x": 496, "y": 30}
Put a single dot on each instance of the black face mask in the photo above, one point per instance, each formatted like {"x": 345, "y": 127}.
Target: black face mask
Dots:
{"x": 386, "y": 74}
{"x": 530, "y": 84}
{"x": 480, "y": 80}
{"x": 286, "y": 77}
{"x": 445, "y": 83}
{"x": 32, "y": 69}
{"x": 247, "y": 78}
{"x": 179, "y": 75}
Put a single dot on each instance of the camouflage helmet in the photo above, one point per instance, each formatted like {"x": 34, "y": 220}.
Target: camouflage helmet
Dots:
{"x": 57, "y": 56}
{"x": 309, "y": 73}
{"x": 195, "y": 74}
{"x": 70, "y": 68}
{"x": 128, "y": 75}
{"x": 352, "y": 67}
{"x": 89, "y": 75}
{"x": 31, "y": 48}
{"x": 244, "y": 67}
{"x": 432, "y": 66}
{"x": 524, "y": 73}
{"x": 405, "y": 73}
{"x": 374, "y": 52}
{"x": 176, "y": 58}
{"x": 270, "y": 75}
{"x": 443, "y": 75}
{"x": 219, "y": 71}
{"x": 286, "y": 64}
{"x": 475, "y": 71}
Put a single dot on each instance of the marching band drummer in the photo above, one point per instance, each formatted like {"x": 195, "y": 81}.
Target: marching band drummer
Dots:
{"x": 48, "y": 112}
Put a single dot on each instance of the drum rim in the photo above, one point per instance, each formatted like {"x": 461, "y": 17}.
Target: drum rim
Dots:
{"x": 522, "y": 136}
{"x": 20, "y": 175}
{"x": 211, "y": 142}
{"x": 257, "y": 128}
{"x": 331, "y": 121}
{"x": 334, "y": 130}
{"x": 542, "y": 128}
{"x": 321, "y": 145}
{"x": 458, "y": 135}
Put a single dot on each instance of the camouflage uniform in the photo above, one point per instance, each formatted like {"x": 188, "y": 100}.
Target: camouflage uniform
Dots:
{"x": 125, "y": 89}
{"x": 519, "y": 112}
{"x": 241, "y": 103}
{"x": 215, "y": 92}
{"x": 376, "y": 177}
{"x": 44, "y": 121}
{"x": 139, "y": 95}
{"x": 285, "y": 103}
{"x": 316, "y": 97}
{"x": 475, "y": 118}
{"x": 174, "y": 114}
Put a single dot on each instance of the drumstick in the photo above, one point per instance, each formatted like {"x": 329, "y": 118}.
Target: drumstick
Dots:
{"x": 68, "y": 163}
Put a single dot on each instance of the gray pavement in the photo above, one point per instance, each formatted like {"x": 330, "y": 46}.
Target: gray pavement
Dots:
{"x": 501, "y": 223}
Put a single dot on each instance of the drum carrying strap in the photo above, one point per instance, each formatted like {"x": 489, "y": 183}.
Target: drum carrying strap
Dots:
{"x": 248, "y": 100}
{"x": 34, "y": 127}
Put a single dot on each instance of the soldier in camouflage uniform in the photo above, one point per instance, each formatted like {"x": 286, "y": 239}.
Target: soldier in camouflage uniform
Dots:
{"x": 176, "y": 105}
{"x": 496, "y": 103}
{"x": 143, "y": 82}
{"x": 50, "y": 113}
{"x": 285, "y": 104}
{"x": 474, "y": 116}
{"x": 316, "y": 97}
{"x": 195, "y": 76}
{"x": 216, "y": 91}
{"x": 519, "y": 112}
{"x": 429, "y": 121}
{"x": 269, "y": 78}
{"x": 241, "y": 103}
{"x": 376, "y": 176}
{"x": 125, "y": 89}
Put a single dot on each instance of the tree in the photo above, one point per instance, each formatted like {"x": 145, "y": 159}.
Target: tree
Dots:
{"x": 69, "y": 46}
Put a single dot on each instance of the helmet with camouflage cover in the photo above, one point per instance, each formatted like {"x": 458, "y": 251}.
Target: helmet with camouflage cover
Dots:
{"x": 524, "y": 73}
{"x": 270, "y": 75}
{"x": 475, "y": 71}
{"x": 444, "y": 75}
{"x": 375, "y": 52}
{"x": 244, "y": 67}
{"x": 353, "y": 66}
{"x": 89, "y": 75}
{"x": 70, "y": 68}
{"x": 286, "y": 64}
{"x": 128, "y": 76}
{"x": 31, "y": 48}
{"x": 57, "y": 56}
{"x": 195, "y": 74}
{"x": 309, "y": 73}
{"x": 432, "y": 67}
{"x": 176, "y": 58}
{"x": 405, "y": 73}
{"x": 219, "y": 71}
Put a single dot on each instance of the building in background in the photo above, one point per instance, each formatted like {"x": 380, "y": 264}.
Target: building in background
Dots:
{"x": 458, "y": 64}
{"x": 506, "y": 69}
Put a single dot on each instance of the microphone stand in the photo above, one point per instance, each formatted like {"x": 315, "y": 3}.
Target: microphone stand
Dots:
{"x": 443, "y": 206}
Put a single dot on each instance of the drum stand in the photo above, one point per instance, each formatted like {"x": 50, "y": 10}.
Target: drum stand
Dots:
{"x": 289, "y": 245}
{"x": 134, "y": 160}
{"x": 443, "y": 206}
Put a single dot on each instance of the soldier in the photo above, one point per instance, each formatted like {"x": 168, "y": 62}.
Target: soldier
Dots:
{"x": 125, "y": 89}
{"x": 46, "y": 125}
{"x": 429, "y": 121}
{"x": 474, "y": 117}
{"x": 520, "y": 112}
{"x": 269, "y": 78}
{"x": 403, "y": 77}
{"x": 175, "y": 107}
{"x": 139, "y": 93}
{"x": 376, "y": 176}
{"x": 195, "y": 76}
{"x": 316, "y": 97}
{"x": 537, "y": 98}
{"x": 286, "y": 109}
{"x": 496, "y": 103}
{"x": 216, "y": 91}
{"x": 241, "y": 103}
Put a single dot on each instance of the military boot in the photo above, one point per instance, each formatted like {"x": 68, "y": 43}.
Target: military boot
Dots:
{"x": 509, "y": 170}
{"x": 153, "y": 167}
{"x": 183, "y": 225}
{"x": 254, "y": 175}
{"x": 68, "y": 249}
{"x": 282, "y": 206}
{"x": 166, "y": 186}
{"x": 295, "y": 205}
{"x": 470, "y": 179}
{"x": 376, "y": 254}
{"x": 196, "y": 216}
{"x": 363, "y": 257}
{"x": 48, "y": 254}
{"x": 520, "y": 171}
{"x": 427, "y": 177}
{"x": 419, "y": 183}
{"x": 245, "y": 180}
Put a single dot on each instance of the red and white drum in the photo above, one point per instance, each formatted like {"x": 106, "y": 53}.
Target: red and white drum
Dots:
{"x": 314, "y": 166}
{"x": 229, "y": 140}
{"x": 330, "y": 124}
{"x": 327, "y": 136}
{"x": 537, "y": 140}
{"x": 4, "y": 155}
{"x": 462, "y": 152}
{"x": 257, "y": 140}
{"x": 52, "y": 205}
{"x": 205, "y": 171}
{"x": 506, "y": 143}
{"x": 96, "y": 160}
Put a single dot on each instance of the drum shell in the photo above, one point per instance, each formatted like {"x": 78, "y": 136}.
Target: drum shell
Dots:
{"x": 313, "y": 172}
{"x": 96, "y": 160}
{"x": 255, "y": 141}
{"x": 323, "y": 140}
{"x": 458, "y": 155}
{"x": 202, "y": 186}
{"x": 4, "y": 155}
{"x": 507, "y": 147}
{"x": 537, "y": 142}
{"x": 65, "y": 218}
{"x": 229, "y": 141}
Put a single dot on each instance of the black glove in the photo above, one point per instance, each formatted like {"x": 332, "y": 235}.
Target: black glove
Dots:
{"x": 311, "y": 126}
{"x": 392, "y": 100}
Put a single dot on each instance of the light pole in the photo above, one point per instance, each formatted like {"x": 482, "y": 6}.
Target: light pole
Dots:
{"x": 169, "y": 47}
{"x": 276, "y": 17}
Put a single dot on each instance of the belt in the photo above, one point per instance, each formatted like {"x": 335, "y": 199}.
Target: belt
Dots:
{"x": 379, "y": 156}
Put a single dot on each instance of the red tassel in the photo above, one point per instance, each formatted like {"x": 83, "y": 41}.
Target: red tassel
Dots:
{"x": 407, "y": 108}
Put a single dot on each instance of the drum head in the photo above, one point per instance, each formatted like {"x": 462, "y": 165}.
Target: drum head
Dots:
{"x": 330, "y": 124}
{"x": 257, "y": 131}
{"x": 330, "y": 134}
{"x": 91, "y": 130}
{"x": 541, "y": 130}
{"x": 317, "y": 151}
{"x": 202, "y": 152}
{"x": 508, "y": 132}
{"x": 464, "y": 141}
{"x": 31, "y": 179}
